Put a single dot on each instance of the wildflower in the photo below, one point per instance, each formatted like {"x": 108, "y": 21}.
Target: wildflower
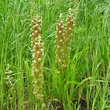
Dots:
{"x": 63, "y": 40}
{"x": 10, "y": 83}
{"x": 59, "y": 42}
{"x": 37, "y": 54}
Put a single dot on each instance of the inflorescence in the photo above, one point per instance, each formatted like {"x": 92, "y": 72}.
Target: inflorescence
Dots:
{"x": 10, "y": 83}
{"x": 37, "y": 54}
{"x": 63, "y": 40}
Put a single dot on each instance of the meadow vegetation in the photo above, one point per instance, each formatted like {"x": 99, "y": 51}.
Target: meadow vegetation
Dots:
{"x": 54, "y": 55}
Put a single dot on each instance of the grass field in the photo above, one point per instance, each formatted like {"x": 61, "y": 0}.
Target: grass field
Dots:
{"x": 85, "y": 83}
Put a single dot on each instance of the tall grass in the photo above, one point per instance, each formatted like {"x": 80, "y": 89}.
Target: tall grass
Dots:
{"x": 85, "y": 83}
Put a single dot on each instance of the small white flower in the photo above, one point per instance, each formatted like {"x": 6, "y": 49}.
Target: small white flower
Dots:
{"x": 10, "y": 71}
{"x": 69, "y": 48}
{"x": 67, "y": 19}
{"x": 34, "y": 61}
{"x": 70, "y": 10}
{"x": 61, "y": 21}
{"x": 70, "y": 28}
{"x": 60, "y": 32}
{"x": 61, "y": 40}
{"x": 39, "y": 20}
{"x": 31, "y": 41}
{"x": 42, "y": 43}
{"x": 36, "y": 39}
{"x": 63, "y": 60}
{"x": 63, "y": 34}
{"x": 71, "y": 34}
{"x": 37, "y": 25}
{"x": 34, "y": 26}
{"x": 34, "y": 92}
{"x": 34, "y": 46}
{"x": 30, "y": 35}
{"x": 39, "y": 59}
{"x": 35, "y": 81}
{"x": 59, "y": 60}
{"x": 72, "y": 20}
{"x": 36, "y": 43}
{"x": 8, "y": 77}
{"x": 62, "y": 26}
{"x": 33, "y": 50}
{"x": 63, "y": 65}
{"x": 41, "y": 50}
{"x": 58, "y": 46}
{"x": 36, "y": 31}
{"x": 31, "y": 45}
{"x": 37, "y": 70}
{"x": 32, "y": 21}
{"x": 38, "y": 52}
{"x": 39, "y": 28}
{"x": 59, "y": 24}
{"x": 43, "y": 105}
{"x": 33, "y": 34}
{"x": 33, "y": 67}
{"x": 58, "y": 72}
{"x": 56, "y": 36}
{"x": 39, "y": 37}
{"x": 33, "y": 55}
